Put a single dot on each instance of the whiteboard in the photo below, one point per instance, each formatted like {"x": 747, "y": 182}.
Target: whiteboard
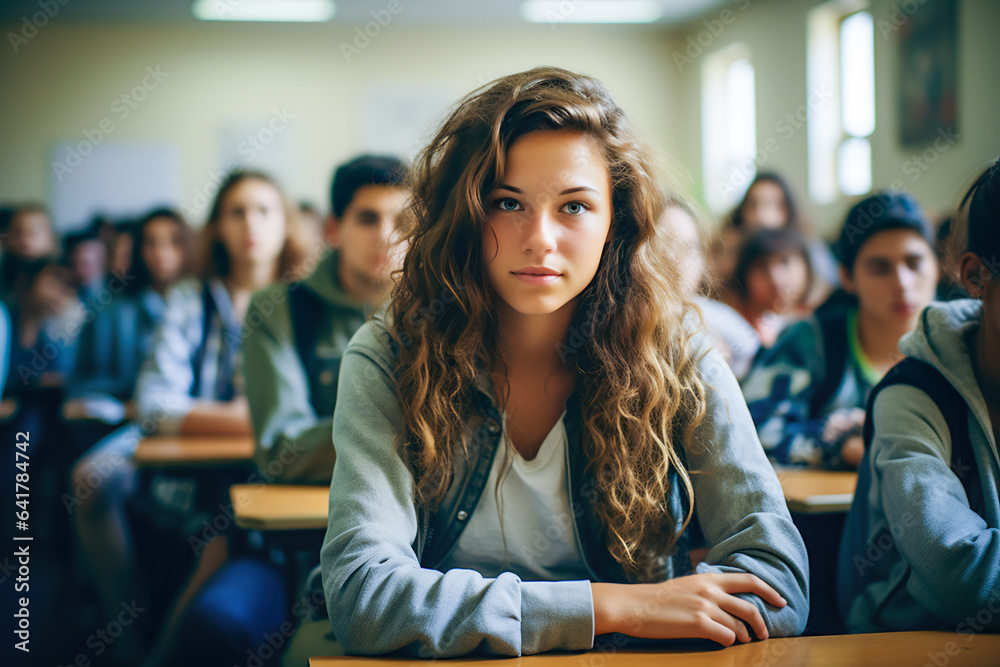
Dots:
{"x": 116, "y": 179}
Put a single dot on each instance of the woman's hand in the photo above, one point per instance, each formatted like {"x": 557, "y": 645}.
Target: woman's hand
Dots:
{"x": 699, "y": 606}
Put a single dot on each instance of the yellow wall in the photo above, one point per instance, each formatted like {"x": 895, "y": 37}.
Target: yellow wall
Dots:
{"x": 66, "y": 78}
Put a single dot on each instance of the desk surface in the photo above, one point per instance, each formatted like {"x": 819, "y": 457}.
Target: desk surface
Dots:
{"x": 912, "y": 649}
{"x": 280, "y": 506}
{"x": 193, "y": 450}
{"x": 817, "y": 491}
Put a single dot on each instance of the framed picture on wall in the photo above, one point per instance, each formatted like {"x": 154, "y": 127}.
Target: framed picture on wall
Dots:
{"x": 929, "y": 73}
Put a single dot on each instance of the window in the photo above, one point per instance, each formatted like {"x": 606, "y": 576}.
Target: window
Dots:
{"x": 729, "y": 126}
{"x": 841, "y": 60}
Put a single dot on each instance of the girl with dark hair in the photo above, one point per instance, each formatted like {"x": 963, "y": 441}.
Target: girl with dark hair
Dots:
{"x": 928, "y": 484}
{"x": 769, "y": 286}
{"x": 190, "y": 381}
{"x": 536, "y": 377}
{"x": 118, "y": 334}
{"x": 767, "y": 204}
{"x": 39, "y": 359}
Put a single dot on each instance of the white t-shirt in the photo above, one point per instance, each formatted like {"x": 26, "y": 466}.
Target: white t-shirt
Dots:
{"x": 538, "y": 523}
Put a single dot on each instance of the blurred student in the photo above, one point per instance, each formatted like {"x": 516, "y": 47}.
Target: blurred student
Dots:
{"x": 123, "y": 248}
{"x": 118, "y": 335}
{"x": 534, "y": 359}
{"x": 38, "y": 359}
{"x": 769, "y": 204}
{"x": 298, "y": 334}
{"x": 807, "y": 393}
{"x": 189, "y": 384}
{"x": 768, "y": 288}
{"x": 772, "y": 279}
{"x": 292, "y": 359}
{"x": 731, "y": 335}
{"x": 29, "y": 238}
{"x": 921, "y": 547}
{"x": 87, "y": 256}
{"x": 38, "y": 363}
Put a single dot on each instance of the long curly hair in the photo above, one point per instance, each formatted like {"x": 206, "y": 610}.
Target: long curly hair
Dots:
{"x": 640, "y": 390}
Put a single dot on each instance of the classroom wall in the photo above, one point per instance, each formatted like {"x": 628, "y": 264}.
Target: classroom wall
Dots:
{"x": 775, "y": 33}
{"x": 66, "y": 79}
{"x": 225, "y": 79}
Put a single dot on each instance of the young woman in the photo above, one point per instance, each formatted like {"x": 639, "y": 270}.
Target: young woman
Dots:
{"x": 807, "y": 393}
{"x": 526, "y": 438}
{"x": 118, "y": 336}
{"x": 920, "y": 547}
{"x": 189, "y": 383}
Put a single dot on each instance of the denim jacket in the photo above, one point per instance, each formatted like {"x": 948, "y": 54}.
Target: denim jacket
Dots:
{"x": 379, "y": 555}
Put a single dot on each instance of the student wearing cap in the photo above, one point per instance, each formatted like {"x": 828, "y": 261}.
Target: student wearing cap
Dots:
{"x": 921, "y": 545}
{"x": 807, "y": 393}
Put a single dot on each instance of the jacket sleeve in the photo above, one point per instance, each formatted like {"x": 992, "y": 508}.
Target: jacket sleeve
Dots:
{"x": 163, "y": 389}
{"x": 740, "y": 505}
{"x": 779, "y": 389}
{"x": 293, "y": 442}
{"x": 954, "y": 556}
{"x": 379, "y": 597}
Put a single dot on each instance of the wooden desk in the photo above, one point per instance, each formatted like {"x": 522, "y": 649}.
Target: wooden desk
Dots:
{"x": 280, "y": 506}
{"x": 161, "y": 451}
{"x": 912, "y": 649}
{"x": 817, "y": 491}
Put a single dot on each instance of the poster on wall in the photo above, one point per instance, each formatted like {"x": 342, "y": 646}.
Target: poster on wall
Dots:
{"x": 929, "y": 73}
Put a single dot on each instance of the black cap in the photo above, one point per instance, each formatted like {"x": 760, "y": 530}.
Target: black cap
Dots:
{"x": 881, "y": 212}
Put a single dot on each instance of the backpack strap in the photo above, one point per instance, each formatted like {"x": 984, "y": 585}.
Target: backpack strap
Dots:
{"x": 304, "y": 307}
{"x": 208, "y": 309}
{"x": 833, "y": 332}
{"x": 929, "y": 380}
{"x": 856, "y": 540}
